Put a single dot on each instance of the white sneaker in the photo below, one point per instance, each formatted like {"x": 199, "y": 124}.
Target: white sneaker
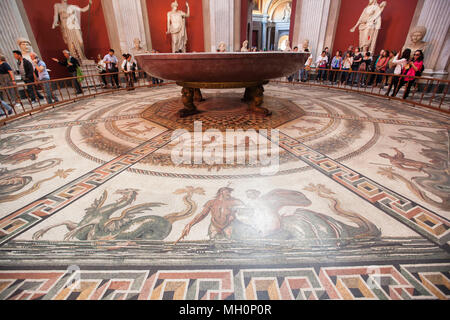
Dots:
{"x": 17, "y": 105}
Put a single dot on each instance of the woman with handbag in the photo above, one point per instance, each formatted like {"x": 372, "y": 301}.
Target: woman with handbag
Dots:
{"x": 346, "y": 65}
{"x": 322, "y": 62}
{"x": 336, "y": 64}
{"x": 127, "y": 68}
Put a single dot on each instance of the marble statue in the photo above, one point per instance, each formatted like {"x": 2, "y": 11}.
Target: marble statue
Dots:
{"x": 222, "y": 47}
{"x": 137, "y": 49}
{"x": 305, "y": 45}
{"x": 369, "y": 24}
{"x": 25, "y": 48}
{"x": 245, "y": 46}
{"x": 176, "y": 26}
{"x": 287, "y": 12}
{"x": 68, "y": 18}
{"x": 415, "y": 39}
{"x": 287, "y": 46}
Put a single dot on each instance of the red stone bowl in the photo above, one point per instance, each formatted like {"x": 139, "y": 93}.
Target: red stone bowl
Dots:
{"x": 221, "y": 67}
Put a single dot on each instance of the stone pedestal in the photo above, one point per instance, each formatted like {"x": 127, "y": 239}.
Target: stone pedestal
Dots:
{"x": 253, "y": 96}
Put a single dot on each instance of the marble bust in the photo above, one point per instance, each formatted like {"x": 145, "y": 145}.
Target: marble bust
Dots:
{"x": 245, "y": 46}
{"x": 222, "y": 47}
{"x": 369, "y": 24}
{"x": 415, "y": 39}
{"x": 176, "y": 27}
{"x": 305, "y": 45}
{"x": 137, "y": 49}
{"x": 25, "y": 47}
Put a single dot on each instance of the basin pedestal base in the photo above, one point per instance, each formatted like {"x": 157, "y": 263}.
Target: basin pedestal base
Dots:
{"x": 254, "y": 95}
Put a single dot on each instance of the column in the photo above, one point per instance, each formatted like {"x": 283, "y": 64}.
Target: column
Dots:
{"x": 222, "y": 23}
{"x": 269, "y": 37}
{"x": 264, "y": 33}
{"x": 435, "y": 16}
{"x": 207, "y": 25}
{"x": 311, "y": 23}
{"x": 130, "y": 23}
{"x": 13, "y": 25}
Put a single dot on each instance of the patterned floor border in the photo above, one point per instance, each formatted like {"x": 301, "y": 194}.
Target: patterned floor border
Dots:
{"x": 365, "y": 282}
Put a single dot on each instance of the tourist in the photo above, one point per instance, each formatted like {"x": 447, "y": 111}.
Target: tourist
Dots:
{"x": 127, "y": 68}
{"x": 349, "y": 50}
{"x": 364, "y": 67}
{"x": 304, "y": 73}
{"x": 390, "y": 67}
{"x": 346, "y": 65}
{"x": 328, "y": 56}
{"x": 357, "y": 59}
{"x": 44, "y": 77}
{"x": 294, "y": 76}
{"x": 26, "y": 71}
{"x": 381, "y": 66}
{"x": 365, "y": 49}
{"x": 5, "y": 107}
{"x": 321, "y": 63}
{"x": 373, "y": 66}
{"x": 7, "y": 79}
{"x": 73, "y": 66}
{"x": 412, "y": 69}
{"x": 112, "y": 66}
{"x": 101, "y": 67}
{"x": 336, "y": 65}
{"x": 399, "y": 65}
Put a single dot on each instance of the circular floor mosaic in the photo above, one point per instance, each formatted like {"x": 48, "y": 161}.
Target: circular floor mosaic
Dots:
{"x": 310, "y": 120}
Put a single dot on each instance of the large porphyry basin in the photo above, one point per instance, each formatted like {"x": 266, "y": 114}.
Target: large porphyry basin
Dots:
{"x": 222, "y": 67}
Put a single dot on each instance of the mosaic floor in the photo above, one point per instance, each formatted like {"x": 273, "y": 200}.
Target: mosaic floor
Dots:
{"x": 357, "y": 205}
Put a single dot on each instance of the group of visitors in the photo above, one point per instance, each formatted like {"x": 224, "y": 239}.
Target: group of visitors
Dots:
{"x": 35, "y": 75}
{"x": 110, "y": 64}
{"x": 388, "y": 68}
{"x": 393, "y": 69}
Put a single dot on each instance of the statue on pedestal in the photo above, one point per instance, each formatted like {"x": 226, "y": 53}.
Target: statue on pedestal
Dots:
{"x": 176, "y": 26}
{"x": 415, "y": 39}
{"x": 68, "y": 18}
{"x": 25, "y": 48}
{"x": 369, "y": 24}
